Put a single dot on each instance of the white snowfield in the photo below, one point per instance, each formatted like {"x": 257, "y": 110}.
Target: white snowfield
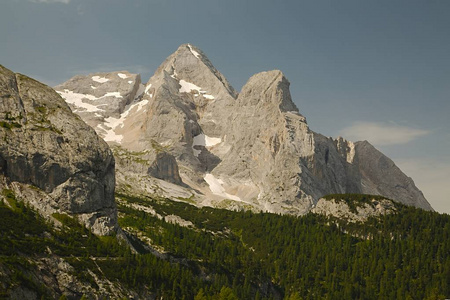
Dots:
{"x": 77, "y": 99}
{"x": 100, "y": 79}
{"x": 187, "y": 87}
{"x": 204, "y": 140}
{"x": 121, "y": 75}
{"x": 215, "y": 185}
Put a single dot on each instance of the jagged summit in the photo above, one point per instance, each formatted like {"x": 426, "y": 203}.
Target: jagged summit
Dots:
{"x": 263, "y": 83}
{"x": 192, "y": 68}
{"x": 252, "y": 150}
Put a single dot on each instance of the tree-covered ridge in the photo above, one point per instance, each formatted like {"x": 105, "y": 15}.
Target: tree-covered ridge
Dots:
{"x": 236, "y": 255}
{"x": 406, "y": 255}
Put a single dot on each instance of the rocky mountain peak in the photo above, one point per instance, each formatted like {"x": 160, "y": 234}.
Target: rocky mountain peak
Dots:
{"x": 195, "y": 72}
{"x": 269, "y": 87}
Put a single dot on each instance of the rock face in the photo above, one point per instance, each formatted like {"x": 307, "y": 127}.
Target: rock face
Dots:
{"x": 252, "y": 150}
{"x": 165, "y": 167}
{"x": 45, "y": 146}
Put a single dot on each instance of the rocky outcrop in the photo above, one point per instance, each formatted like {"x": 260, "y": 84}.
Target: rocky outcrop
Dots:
{"x": 267, "y": 136}
{"x": 358, "y": 212}
{"x": 45, "y": 146}
{"x": 252, "y": 150}
{"x": 165, "y": 167}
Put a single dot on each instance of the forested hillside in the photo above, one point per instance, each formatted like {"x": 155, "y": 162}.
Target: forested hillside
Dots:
{"x": 206, "y": 253}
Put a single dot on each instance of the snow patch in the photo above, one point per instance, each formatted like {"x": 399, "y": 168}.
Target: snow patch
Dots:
{"x": 215, "y": 185}
{"x": 147, "y": 88}
{"x": 203, "y": 140}
{"x": 100, "y": 79}
{"x": 196, "y": 54}
{"x": 187, "y": 87}
{"x": 174, "y": 75}
{"x": 77, "y": 99}
{"x": 130, "y": 81}
{"x": 93, "y": 87}
{"x": 112, "y": 94}
{"x": 121, "y": 75}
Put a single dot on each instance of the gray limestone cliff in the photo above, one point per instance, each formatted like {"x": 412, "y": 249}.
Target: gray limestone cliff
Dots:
{"x": 165, "y": 167}
{"x": 252, "y": 150}
{"x": 51, "y": 158}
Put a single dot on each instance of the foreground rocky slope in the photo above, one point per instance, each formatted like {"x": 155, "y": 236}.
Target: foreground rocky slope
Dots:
{"x": 252, "y": 150}
{"x": 51, "y": 158}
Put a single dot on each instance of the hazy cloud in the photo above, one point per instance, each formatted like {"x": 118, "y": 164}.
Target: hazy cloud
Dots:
{"x": 50, "y": 1}
{"x": 431, "y": 175}
{"x": 381, "y": 134}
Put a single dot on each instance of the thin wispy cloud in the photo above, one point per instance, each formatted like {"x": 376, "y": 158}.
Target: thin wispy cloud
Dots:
{"x": 50, "y": 1}
{"x": 382, "y": 134}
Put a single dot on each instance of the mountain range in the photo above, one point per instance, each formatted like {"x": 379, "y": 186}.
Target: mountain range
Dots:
{"x": 111, "y": 188}
{"x": 188, "y": 127}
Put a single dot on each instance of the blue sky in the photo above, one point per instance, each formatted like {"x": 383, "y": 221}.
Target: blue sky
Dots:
{"x": 376, "y": 70}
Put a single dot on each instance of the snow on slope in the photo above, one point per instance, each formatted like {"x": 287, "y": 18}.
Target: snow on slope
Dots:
{"x": 187, "y": 87}
{"x": 100, "y": 79}
{"x": 215, "y": 185}
{"x": 77, "y": 99}
{"x": 196, "y": 54}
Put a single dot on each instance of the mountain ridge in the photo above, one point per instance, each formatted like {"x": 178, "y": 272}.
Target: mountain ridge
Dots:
{"x": 252, "y": 149}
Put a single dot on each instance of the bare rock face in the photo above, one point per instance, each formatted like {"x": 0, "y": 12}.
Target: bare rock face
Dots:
{"x": 379, "y": 174}
{"x": 45, "y": 146}
{"x": 165, "y": 167}
{"x": 293, "y": 166}
{"x": 252, "y": 150}
{"x": 267, "y": 135}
